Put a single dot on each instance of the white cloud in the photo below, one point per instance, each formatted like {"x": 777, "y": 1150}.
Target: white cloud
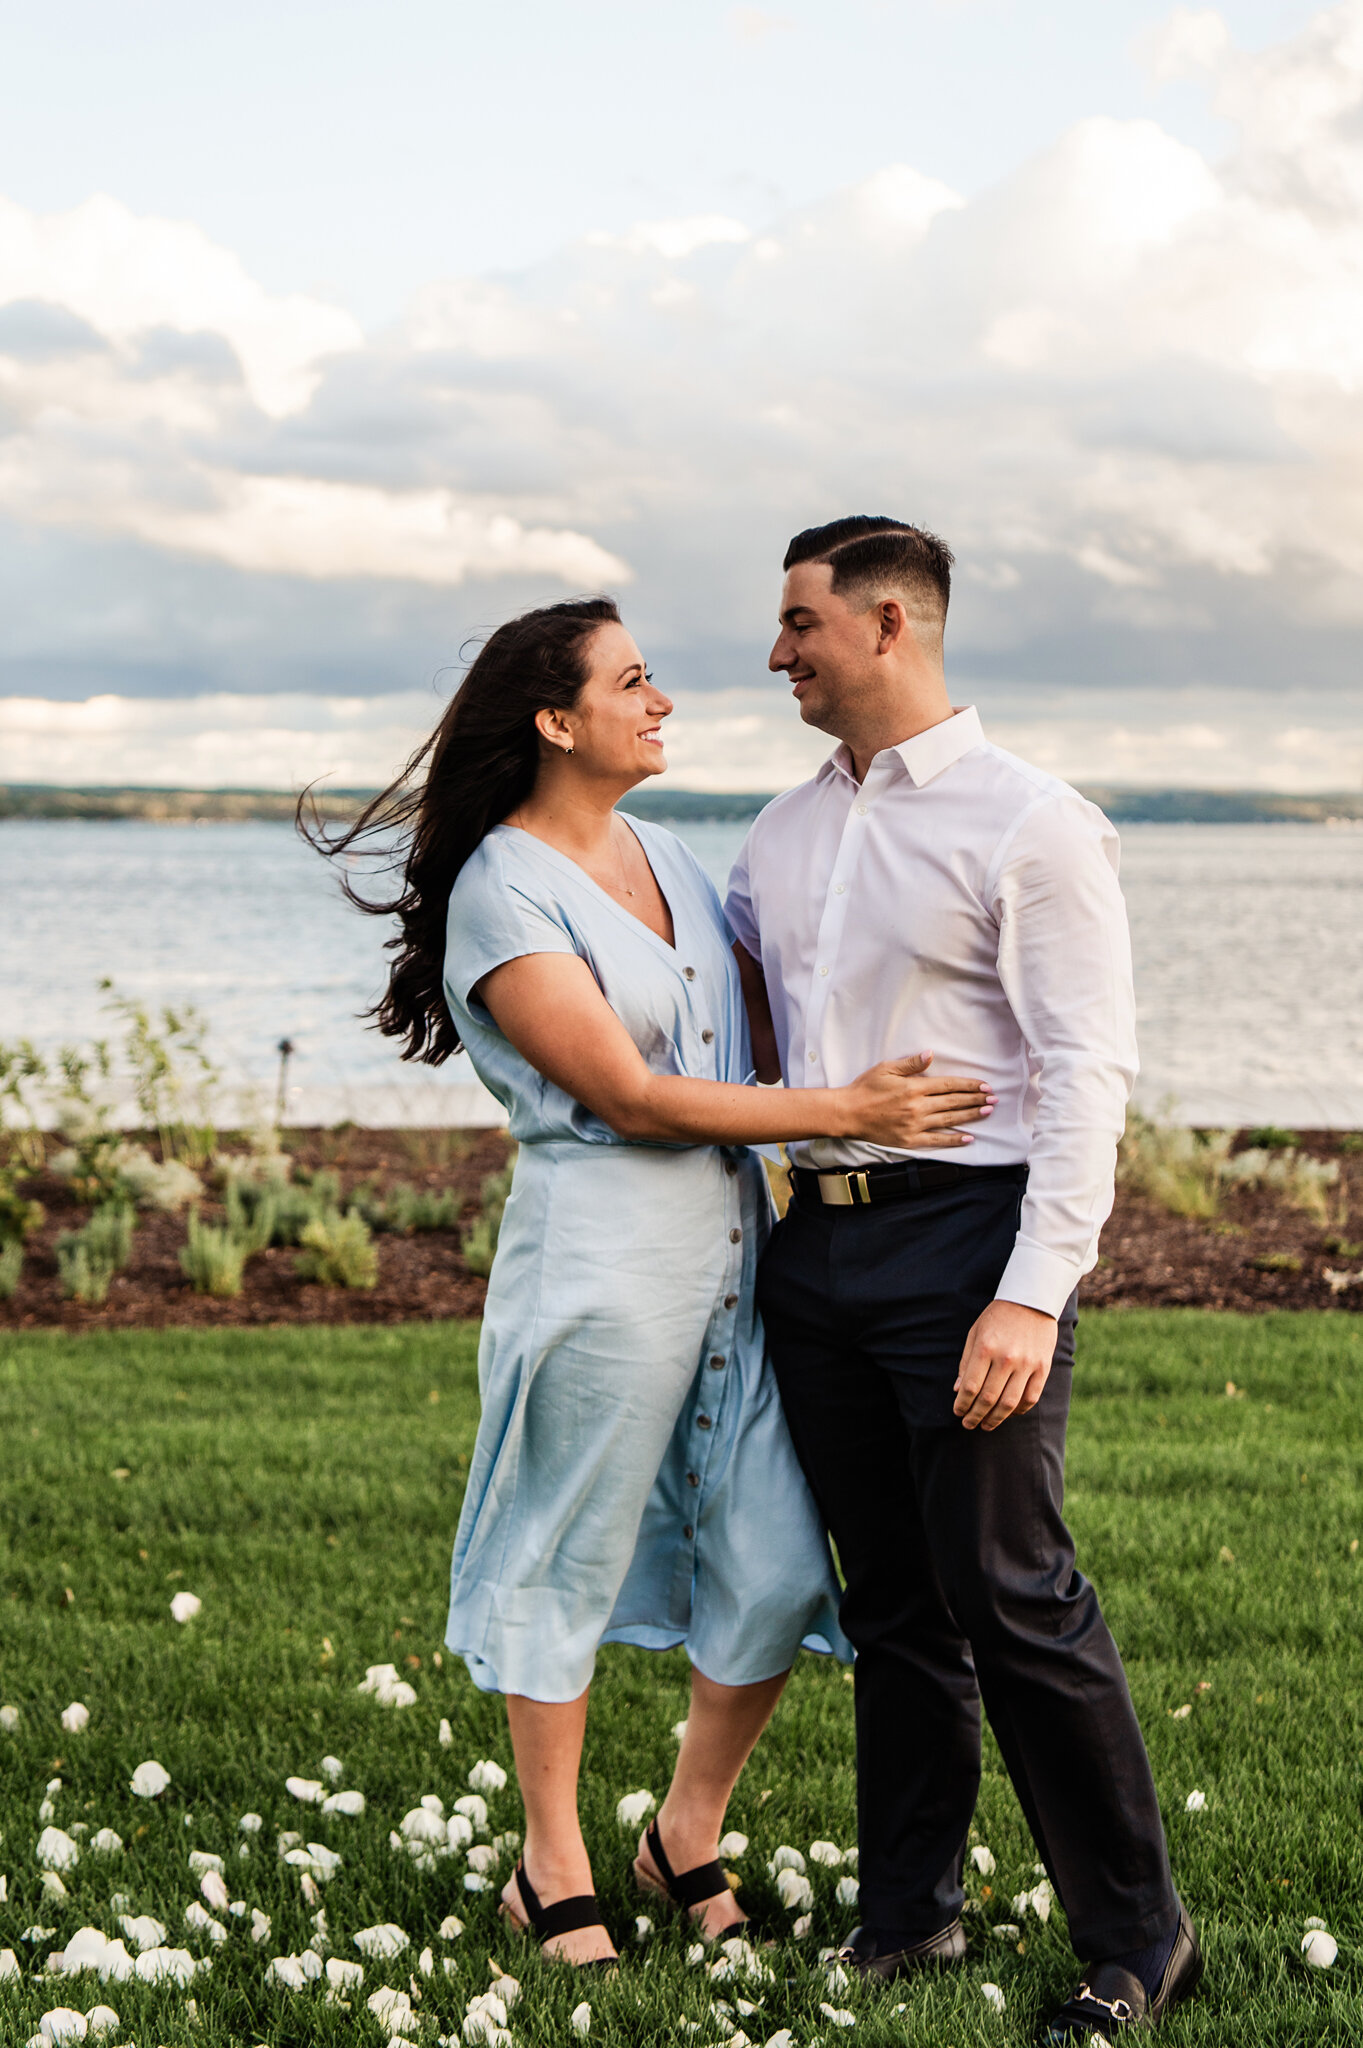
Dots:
{"x": 1126, "y": 383}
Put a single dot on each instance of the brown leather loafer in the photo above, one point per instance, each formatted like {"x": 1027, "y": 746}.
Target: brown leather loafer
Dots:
{"x": 862, "y": 1953}
{"x": 1110, "y": 1999}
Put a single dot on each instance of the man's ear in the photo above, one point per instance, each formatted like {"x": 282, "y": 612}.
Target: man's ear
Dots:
{"x": 892, "y": 624}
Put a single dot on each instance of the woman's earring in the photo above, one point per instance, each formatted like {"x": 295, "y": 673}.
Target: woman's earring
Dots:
{"x": 568, "y": 749}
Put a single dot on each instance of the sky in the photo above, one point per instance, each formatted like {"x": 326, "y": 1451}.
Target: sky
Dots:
{"x": 331, "y": 336}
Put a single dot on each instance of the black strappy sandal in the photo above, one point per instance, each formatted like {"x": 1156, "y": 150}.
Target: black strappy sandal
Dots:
{"x": 565, "y": 1916}
{"x": 687, "y": 1888}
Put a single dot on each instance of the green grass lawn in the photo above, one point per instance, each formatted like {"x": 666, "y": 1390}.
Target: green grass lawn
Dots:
{"x": 305, "y": 1484}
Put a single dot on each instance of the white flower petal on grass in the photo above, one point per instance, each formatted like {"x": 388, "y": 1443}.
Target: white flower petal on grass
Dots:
{"x": 802, "y": 1927}
{"x": 837, "y": 2015}
{"x": 1021, "y": 1904}
{"x": 37, "y": 1934}
{"x": 487, "y": 1776}
{"x": 634, "y": 1807}
{"x": 214, "y": 1888}
{"x": 75, "y": 1718}
{"x": 62, "y": 2024}
{"x": 260, "y": 1925}
{"x": 474, "y": 1809}
{"x": 580, "y": 2018}
{"x": 695, "y": 1954}
{"x": 9, "y": 1719}
{"x": 678, "y": 1730}
{"x": 983, "y": 1860}
{"x": 643, "y": 1927}
{"x": 56, "y": 1851}
{"x": 1195, "y": 1802}
{"x": 733, "y": 1844}
{"x": 201, "y": 1861}
{"x": 102, "y": 2019}
{"x": 310, "y": 1790}
{"x": 391, "y": 2008}
{"x": 848, "y": 1891}
{"x": 250, "y": 1824}
{"x": 9, "y": 1965}
{"x": 53, "y": 1888}
{"x": 149, "y": 1780}
{"x": 165, "y": 1966}
{"x": 991, "y": 1995}
{"x": 433, "y": 1803}
{"x": 288, "y": 1972}
{"x": 382, "y": 1941}
{"x": 325, "y": 1862}
{"x": 1181, "y": 1713}
{"x": 797, "y": 1893}
{"x": 104, "y": 1842}
{"x": 378, "y": 1676}
{"x": 307, "y": 1886}
{"x": 445, "y": 1735}
{"x": 143, "y": 1932}
{"x": 450, "y": 1928}
{"x": 420, "y": 1825}
{"x": 1042, "y": 1899}
{"x": 1006, "y": 1931}
{"x": 344, "y": 1976}
{"x": 483, "y": 1858}
{"x": 784, "y": 2039}
{"x": 1319, "y": 1948}
{"x": 185, "y": 1606}
{"x": 827, "y": 1853}
{"x": 786, "y": 1858}
{"x": 474, "y": 1881}
{"x": 1314, "y": 1926}
{"x": 202, "y": 1922}
{"x": 348, "y": 1803}
{"x": 332, "y": 1769}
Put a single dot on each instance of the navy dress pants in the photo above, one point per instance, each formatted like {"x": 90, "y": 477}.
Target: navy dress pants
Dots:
{"x": 960, "y": 1573}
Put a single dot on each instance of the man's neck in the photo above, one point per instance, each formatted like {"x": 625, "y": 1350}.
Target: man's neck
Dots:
{"x": 866, "y": 743}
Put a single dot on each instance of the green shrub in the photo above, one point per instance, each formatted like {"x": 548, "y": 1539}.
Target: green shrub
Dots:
{"x": 213, "y": 1260}
{"x": 405, "y": 1209}
{"x": 338, "y": 1251}
{"x": 289, "y": 1209}
{"x": 1276, "y": 1262}
{"x": 1180, "y": 1169}
{"x": 1271, "y": 1138}
{"x": 480, "y": 1238}
{"x": 11, "y": 1266}
{"x": 88, "y": 1259}
{"x": 1299, "y": 1179}
{"x": 109, "y": 1234}
{"x": 252, "y": 1215}
{"x": 19, "y": 1217}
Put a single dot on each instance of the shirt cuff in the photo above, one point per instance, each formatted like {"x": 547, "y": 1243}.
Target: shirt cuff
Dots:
{"x": 1036, "y": 1278}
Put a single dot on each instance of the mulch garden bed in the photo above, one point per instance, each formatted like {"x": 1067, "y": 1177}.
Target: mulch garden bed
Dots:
{"x": 1149, "y": 1258}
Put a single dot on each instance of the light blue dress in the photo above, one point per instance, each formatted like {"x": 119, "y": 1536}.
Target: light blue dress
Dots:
{"x": 633, "y": 1479}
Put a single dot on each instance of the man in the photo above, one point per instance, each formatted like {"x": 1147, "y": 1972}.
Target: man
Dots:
{"x": 926, "y": 891}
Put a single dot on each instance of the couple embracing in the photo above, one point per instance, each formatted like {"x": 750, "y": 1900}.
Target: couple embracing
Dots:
{"x": 681, "y": 1401}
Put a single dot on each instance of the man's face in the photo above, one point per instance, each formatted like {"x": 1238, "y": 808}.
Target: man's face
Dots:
{"x": 827, "y": 650}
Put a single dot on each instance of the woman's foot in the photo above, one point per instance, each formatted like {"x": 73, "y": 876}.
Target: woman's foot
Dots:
{"x": 718, "y": 1915}
{"x": 524, "y": 1900}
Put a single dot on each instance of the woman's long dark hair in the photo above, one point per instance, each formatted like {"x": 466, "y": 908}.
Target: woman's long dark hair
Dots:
{"x": 480, "y": 762}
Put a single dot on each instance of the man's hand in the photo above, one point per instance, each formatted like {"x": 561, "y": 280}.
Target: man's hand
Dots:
{"x": 1005, "y": 1364}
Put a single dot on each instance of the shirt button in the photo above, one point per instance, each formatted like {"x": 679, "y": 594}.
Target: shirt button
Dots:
{"x": 840, "y": 888}
{"x": 735, "y": 1236}
{"x": 717, "y": 1363}
{"x": 690, "y": 973}
{"x": 693, "y": 1479}
{"x": 813, "y": 1059}
{"x": 823, "y": 970}
{"x": 687, "y": 1531}
{"x": 861, "y": 810}
{"x": 702, "y": 1422}
{"x": 730, "y": 1301}
{"x": 707, "y": 1037}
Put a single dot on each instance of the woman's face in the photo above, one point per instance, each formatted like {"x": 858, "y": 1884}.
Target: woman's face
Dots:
{"x": 616, "y": 724}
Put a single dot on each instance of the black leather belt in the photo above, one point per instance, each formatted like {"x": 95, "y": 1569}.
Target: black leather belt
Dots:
{"x": 891, "y": 1182}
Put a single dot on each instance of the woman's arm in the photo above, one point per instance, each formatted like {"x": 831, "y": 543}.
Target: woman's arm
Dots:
{"x": 550, "y": 1008}
{"x": 765, "y": 1052}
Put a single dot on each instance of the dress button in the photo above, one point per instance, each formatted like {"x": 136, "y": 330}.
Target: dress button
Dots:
{"x": 690, "y": 973}
{"x": 729, "y": 1166}
{"x": 693, "y": 1479}
{"x": 731, "y": 1301}
{"x": 703, "y": 1422}
{"x": 735, "y": 1236}
{"x": 687, "y": 1531}
{"x": 716, "y": 1363}
{"x": 707, "y": 1037}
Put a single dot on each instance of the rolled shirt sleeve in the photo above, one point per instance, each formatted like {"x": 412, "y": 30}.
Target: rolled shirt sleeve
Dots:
{"x": 1064, "y": 961}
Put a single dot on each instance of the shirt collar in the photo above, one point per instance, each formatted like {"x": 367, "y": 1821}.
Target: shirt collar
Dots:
{"x": 927, "y": 753}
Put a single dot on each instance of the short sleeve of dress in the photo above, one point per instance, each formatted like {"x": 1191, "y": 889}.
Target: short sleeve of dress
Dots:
{"x": 494, "y": 918}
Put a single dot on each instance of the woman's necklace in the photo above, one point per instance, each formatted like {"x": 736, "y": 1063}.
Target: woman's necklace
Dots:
{"x": 621, "y": 887}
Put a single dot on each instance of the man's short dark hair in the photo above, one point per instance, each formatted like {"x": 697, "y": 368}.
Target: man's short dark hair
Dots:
{"x": 873, "y": 558}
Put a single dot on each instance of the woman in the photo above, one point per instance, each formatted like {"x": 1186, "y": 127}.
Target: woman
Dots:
{"x": 632, "y": 1479}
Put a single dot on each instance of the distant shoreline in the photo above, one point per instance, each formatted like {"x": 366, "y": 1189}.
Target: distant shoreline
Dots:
{"x": 1125, "y": 806}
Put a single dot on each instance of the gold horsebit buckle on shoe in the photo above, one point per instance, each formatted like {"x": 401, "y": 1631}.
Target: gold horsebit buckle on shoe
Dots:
{"x": 1118, "y": 2007}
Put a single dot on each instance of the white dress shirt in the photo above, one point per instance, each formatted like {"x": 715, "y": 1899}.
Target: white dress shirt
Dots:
{"x": 961, "y": 902}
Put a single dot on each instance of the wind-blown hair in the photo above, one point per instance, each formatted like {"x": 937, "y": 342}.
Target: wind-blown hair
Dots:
{"x": 874, "y": 558}
{"x": 480, "y": 762}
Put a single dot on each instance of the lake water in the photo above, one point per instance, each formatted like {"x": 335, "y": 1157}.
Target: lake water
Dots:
{"x": 1248, "y": 942}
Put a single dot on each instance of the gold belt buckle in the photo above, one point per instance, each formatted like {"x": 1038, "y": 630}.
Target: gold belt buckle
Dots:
{"x": 844, "y": 1190}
